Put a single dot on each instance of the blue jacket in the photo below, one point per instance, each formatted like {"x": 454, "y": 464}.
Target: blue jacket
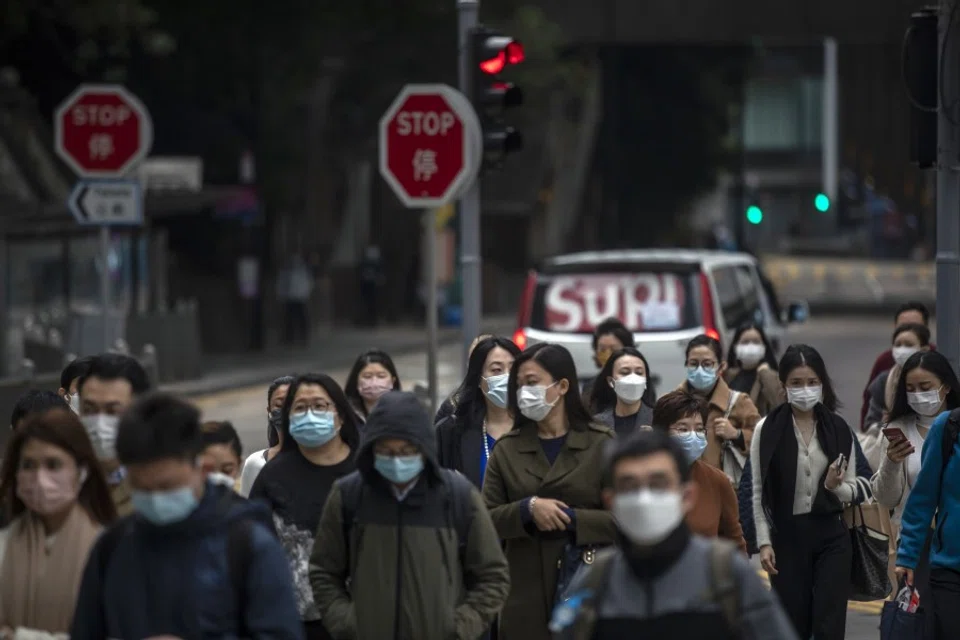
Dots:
{"x": 933, "y": 494}
{"x": 175, "y": 580}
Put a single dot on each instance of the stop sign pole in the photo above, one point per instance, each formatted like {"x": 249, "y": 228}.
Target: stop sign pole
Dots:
{"x": 431, "y": 150}
{"x": 102, "y": 132}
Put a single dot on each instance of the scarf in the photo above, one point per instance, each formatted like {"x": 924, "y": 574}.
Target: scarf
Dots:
{"x": 39, "y": 581}
{"x": 779, "y": 451}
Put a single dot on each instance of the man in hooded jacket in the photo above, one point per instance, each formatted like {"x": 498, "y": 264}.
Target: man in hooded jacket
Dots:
{"x": 413, "y": 541}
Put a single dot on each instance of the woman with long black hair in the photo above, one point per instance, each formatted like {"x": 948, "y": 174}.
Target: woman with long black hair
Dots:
{"x": 320, "y": 433}
{"x": 801, "y": 457}
{"x": 467, "y": 436}
{"x": 623, "y": 398}
{"x": 752, "y": 367}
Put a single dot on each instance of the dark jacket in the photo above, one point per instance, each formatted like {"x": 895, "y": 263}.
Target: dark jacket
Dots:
{"x": 460, "y": 447}
{"x": 643, "y": 418}
{"x": 175, "y": 580}
{"x": 517, "y": 470}
{"x": 409, "y": 580}
{"x": 766, "y": 390}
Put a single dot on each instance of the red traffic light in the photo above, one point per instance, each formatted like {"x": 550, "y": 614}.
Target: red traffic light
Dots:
{"x": 505, "y": 51}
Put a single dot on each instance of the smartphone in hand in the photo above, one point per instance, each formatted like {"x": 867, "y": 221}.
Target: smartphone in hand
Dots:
{"x": 841, "y": 461}
{"x": 894, "y": 434}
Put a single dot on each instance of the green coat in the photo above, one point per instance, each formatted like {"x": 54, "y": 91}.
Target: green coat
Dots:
{"x": 518, "y": 469}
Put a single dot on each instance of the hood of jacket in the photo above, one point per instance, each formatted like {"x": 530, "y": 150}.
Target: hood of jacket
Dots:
{"x": 398, "y": 414}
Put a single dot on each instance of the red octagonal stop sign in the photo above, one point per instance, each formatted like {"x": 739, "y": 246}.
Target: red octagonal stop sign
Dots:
{"x": 429, "y": 139}
{"x": 102, "y": 131}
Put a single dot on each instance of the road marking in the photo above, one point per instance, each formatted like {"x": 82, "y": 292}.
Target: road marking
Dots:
{"x": 874, "y": 607}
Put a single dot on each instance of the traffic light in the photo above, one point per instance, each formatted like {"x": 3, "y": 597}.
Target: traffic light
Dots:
{"x": 822, "y": 202}
{"x": 491, "y": 53}
{"x": 754, "y": 214}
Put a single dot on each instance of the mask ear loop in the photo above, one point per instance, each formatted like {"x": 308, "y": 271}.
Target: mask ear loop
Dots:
{"x": 84, "y": 474}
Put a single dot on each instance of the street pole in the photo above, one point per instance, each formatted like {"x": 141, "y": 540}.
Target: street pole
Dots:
{"x": 470, "y": 265}
{"x": 948, "y": 189}
{"x": 105, "y": 284}
{"x": 430, "y": 280}
{"x": 831, "y": 124}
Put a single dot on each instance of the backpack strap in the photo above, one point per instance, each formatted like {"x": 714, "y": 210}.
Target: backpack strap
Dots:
{"x": 951, "y": 431}
{"x": 351, "y": 492}
{"x": 461, "y": 506}
{"x": 576, "y": 617}
{"x": 724, "y": 587}
{"x": 239, "y": 559}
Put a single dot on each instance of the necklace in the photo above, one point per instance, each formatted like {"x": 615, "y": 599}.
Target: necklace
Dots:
{"x": 486, "y": 441}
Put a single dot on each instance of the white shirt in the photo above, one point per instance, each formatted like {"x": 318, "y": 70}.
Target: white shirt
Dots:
{"x": 811, "y": 464}
{"x": 251, "y": 469}
{"x": 892, "y": 482}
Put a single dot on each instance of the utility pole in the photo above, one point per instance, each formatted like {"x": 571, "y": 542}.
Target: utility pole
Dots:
{"x": 831, "y": 126}
{"x": 948, "y": 186}
{"x": 471, "y": 294}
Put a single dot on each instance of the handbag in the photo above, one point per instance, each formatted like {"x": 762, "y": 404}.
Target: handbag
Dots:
{"x": 897, "y": 624}
{"x": 571, "y": 560}
{"x": 733, "y": 459}
{"x": 868, "y": 570}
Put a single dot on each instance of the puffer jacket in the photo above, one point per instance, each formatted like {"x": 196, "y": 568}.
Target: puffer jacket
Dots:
{"x": 410, "y": 575}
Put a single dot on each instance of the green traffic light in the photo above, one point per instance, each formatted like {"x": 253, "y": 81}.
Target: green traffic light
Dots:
{"x": 754, "y": 214}
{"x": 822, "y": 202}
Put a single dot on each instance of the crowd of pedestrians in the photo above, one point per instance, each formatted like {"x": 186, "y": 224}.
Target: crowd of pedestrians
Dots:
{"x": 532, "y": 506}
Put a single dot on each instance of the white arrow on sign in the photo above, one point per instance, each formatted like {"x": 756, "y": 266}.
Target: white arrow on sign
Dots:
{"x": 107, "y": 202}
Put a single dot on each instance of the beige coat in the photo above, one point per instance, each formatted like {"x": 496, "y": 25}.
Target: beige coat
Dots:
{"x": 743, "y": 416}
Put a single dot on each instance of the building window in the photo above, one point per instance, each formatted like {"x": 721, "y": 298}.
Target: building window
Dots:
{"x": 783, "y": 114}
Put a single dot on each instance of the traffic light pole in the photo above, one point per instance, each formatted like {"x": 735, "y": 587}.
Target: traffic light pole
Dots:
{"x": 948, "y": 187}
{"x": 470, "y": 262}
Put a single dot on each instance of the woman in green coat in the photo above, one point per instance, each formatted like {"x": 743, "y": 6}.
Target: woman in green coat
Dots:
{"x": 542, "y": 486}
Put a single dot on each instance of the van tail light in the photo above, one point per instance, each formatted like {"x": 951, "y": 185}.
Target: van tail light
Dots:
{"x": 523, "y": 313}
{"x": 706, "y": 302}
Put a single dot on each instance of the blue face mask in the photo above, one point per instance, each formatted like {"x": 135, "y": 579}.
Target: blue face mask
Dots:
{"x": 497, "y": 389}
{"x": 693, "y": 445}
{"x": 165, "y": 507}
{"x": 399, "y": 469}
{"x": 701, "y": 379}
{"x": 313, "y": 428}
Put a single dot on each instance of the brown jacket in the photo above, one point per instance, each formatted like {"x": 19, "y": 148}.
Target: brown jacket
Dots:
{"x": 518, "y": 469}
{"x": 766, "y": 391}
{"x": 744, "y": 416}
{"x": 715, "y": 513}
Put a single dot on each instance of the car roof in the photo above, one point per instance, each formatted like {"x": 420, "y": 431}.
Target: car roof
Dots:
{"x": 703, "y": 257}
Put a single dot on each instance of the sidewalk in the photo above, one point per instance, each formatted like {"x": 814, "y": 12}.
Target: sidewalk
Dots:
{"x": 330, "y": 349}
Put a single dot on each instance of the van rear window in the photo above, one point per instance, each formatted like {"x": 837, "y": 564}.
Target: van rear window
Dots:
{"x": 644, "y": 302}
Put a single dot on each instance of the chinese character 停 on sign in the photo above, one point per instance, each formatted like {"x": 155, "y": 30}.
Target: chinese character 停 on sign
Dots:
{"x": 101, "y": 146}
{"x": 424, "y": 164}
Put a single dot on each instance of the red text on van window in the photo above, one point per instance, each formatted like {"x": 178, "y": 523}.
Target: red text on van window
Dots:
{"x": 651, "y": 302}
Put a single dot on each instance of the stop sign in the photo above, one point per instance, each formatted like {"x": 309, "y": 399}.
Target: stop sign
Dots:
{"x": 102, "y": 131}
{"x": 430, "y": 145}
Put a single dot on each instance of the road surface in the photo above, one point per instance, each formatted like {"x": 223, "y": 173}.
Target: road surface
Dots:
{"x": 848, "y": 344}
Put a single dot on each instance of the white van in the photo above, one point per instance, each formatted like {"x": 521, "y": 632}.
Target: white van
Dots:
{"x": 665, "y": 296}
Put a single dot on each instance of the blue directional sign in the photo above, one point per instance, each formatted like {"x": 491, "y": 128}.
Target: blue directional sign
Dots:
{"x": 107, "y": 202}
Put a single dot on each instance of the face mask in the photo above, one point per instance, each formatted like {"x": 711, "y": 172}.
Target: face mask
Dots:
{"x": 532, "y": 402}
{"x": 165, "y": 507}
{"x": 497, "y": 389}
{"x": 925, "y": 403}
{"x": 399, "y": 469}
{"x": 221, "y": 479}
{"x": 74, "y": 401}
{"x": 47, "y": 492}
{"x": 371, "y": 389}
{"x": 804, "y": 398}
{"x": 630, "y": 388}
{"x": 647, "y": 517}
{"x": 701, "y": 379}
{"x": 693, "y": 444}
{"x": 102, "y": 430}
{"x": 902, "y": 354}
{"x": 313, "y": 428}
{"x": 750, "y": 354}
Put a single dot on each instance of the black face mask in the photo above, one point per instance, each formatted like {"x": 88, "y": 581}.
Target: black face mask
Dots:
{"x": 274, "y": 424}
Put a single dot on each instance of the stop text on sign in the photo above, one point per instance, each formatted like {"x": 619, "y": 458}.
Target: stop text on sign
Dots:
{"x": 428, "y": 123}
{"x": 100, "y": 115}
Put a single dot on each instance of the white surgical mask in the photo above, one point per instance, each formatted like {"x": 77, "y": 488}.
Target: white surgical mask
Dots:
{"x": 902, "y": 354}
{"x": 532, "y": 402}
{"x": 750, "y": 354}
{"x": 805, "y": 398}
{"x": 925, "y": 403}
{"x": 647, "y": 517}
{"x": 216, "y": 477}
{"x": 630, "y": 388}
{"x": 102, "y": 430}
{"x": 74, "y": 400}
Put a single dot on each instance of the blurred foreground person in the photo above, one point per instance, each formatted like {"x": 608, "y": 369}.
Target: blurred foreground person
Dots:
{"x": 661, "y": 581}
{"x": 59, "y": 503}
{"x": 405, "y": 548}
{"x": 195, "y": 560}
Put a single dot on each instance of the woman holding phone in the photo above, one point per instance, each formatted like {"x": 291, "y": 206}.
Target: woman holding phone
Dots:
{"x": 802, "y": 478}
